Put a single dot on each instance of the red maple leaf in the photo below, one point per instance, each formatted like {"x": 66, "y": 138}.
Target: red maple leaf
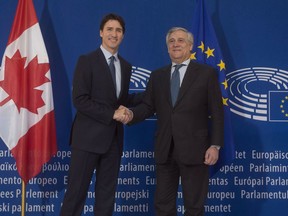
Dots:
{"x": 20, "y": 82}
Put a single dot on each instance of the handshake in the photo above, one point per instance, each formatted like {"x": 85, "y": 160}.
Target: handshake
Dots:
{"x": 123, "y": 114}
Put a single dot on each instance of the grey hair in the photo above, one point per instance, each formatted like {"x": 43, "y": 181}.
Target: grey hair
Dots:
{"x": 190, "y": 36}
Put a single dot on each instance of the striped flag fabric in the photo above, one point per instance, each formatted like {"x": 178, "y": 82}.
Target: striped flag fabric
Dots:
{"x": 26, "y": 102}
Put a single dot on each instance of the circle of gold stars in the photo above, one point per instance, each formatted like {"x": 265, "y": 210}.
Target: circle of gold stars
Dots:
{"x": 222, "y": 67}
{"x": 282, "y": 106}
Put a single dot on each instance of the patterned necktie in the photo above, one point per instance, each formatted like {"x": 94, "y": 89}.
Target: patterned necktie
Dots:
{"x": 112, "y": 70}
{"x": 175, "y": 83}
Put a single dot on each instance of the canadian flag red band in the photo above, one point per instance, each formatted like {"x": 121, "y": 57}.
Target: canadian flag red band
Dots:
{"x": 26, "y": 99}
{"x": 32, "y": 150}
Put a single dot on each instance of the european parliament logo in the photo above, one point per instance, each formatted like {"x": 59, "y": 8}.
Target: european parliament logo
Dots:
{"x": 259, "y": 93}
{"x": 138, "y": 82}
{"x": 139, "y": 79}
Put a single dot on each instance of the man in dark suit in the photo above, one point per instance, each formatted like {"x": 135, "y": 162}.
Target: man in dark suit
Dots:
{"x": 97, "y": 139}
{"x": 187, "y": 141}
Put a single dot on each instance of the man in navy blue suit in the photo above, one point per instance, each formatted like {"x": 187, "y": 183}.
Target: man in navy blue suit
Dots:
{"x": 97, "y": 139}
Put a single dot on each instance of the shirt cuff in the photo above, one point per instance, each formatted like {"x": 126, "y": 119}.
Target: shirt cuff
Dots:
{"x": 216, "y": 146}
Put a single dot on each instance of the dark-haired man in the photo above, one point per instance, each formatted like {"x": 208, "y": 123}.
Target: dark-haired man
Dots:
{"x": 97, "y": 139}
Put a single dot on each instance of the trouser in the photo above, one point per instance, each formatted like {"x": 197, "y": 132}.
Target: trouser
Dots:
{"x": 82, "y": 167}
{"x": 194, "y": 182}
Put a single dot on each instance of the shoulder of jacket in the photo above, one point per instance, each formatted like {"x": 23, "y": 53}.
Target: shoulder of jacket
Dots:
{"x": 124, "y": 61}
{"x": 161, "y": 70}
{"x": 202, "y": 66}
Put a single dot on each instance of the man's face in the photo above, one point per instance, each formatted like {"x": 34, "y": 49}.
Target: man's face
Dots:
{"x": 112, "y": 35}
{"x": 178, "y": 46}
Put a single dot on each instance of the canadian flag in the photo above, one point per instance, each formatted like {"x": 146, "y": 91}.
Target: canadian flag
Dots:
{"x": 27, "y": 124}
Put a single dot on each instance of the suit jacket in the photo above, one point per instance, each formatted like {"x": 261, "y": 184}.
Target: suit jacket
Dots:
{"x": 94, "y": 97}
{"x": 188, "y": 122}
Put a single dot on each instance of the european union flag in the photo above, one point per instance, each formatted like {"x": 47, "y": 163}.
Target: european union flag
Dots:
{"x": 206, "y": 50}
{"x": 278, "y": 106}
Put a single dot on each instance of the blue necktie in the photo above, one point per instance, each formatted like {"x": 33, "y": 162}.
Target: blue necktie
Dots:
{"x": 112, "y": 70}
{"x": 175, "y": 83}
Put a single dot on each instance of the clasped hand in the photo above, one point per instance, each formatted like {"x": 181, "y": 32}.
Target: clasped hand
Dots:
{"x": 123, "y": 114}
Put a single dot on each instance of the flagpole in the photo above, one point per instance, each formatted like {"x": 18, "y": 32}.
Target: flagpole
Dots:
{"x": 23, "y": 198}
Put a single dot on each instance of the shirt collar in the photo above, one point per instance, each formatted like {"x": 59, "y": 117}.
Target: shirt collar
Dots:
{"x": 107, "y": 54}
{"x": 186, "y": 62}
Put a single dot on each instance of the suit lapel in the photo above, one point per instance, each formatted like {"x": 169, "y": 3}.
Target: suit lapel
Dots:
{"x": 189, "y": 78}
{"x": 165, "y": 79}
{"x": 124, "y": 76}
{"x": 105, "y": 66}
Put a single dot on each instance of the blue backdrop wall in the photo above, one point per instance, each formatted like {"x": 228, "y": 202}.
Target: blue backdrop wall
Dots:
{"x": 253, "y": 36}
